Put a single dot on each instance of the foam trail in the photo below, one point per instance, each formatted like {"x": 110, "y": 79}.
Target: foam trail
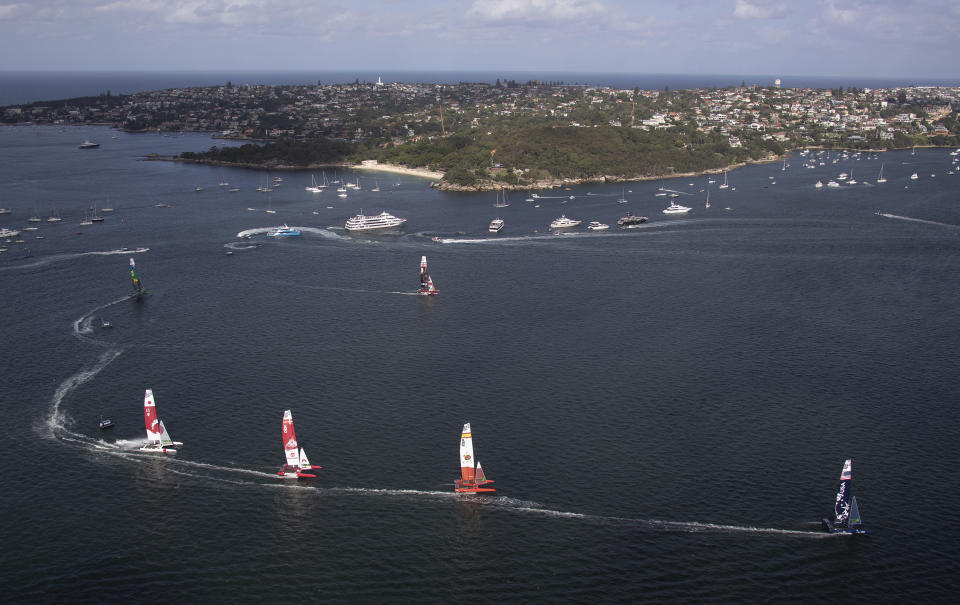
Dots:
{"x": 56, "y": 421}
{"x": 56, "y": 258}
{"x": 84, "y": 324}
{"x": 327, "y": 233}
{"x": 917, "y": 220}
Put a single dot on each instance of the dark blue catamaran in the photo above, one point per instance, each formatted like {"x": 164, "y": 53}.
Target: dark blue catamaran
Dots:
{"x": 846, "y": 512}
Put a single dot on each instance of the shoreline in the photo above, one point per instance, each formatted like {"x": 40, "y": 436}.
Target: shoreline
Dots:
{"x": 396, "y": 169}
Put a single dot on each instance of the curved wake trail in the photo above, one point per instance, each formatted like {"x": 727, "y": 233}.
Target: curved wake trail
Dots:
{"x": 917, "y": 220}
{"x": 56, "y": 421}
{"x": 83, "y": 326}
{"x": 327, "y": 233}
{"x": 57, "y": 258}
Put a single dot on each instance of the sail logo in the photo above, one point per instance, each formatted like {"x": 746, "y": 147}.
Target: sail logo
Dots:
{"x": 466, "y": 456}
{"x": 291, "y": 443}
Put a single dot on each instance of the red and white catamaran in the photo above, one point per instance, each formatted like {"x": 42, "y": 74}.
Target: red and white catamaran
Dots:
{"x": 158, "y": 439}
{"x": 471, "y": 479}
{"x": 297, "y": 461}
{"x": 426, "y": 282}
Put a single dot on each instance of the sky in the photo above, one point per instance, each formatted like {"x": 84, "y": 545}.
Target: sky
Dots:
{"x": 872, "y": 38}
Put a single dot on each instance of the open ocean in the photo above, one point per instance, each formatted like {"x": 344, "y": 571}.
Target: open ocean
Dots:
{"x": 665, "y": 409}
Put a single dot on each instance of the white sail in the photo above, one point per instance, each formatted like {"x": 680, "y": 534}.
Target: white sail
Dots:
{"x": 466, "y": 455}
{"x": 304, "y": 462}
{"x": 165, "y": 439}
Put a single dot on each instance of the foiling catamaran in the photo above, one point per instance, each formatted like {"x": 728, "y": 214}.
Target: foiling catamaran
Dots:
{"x": 846, "y": 512}
{"x": 138, "y": 290}
{"x": 426, "y": 283}
{"x": 158, "y": 439}
{"x": 472, "y": 480}
{"x": 297, "y": 461}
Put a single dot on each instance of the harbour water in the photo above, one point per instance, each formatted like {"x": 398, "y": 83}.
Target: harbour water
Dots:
{"x": 665, "y": 409}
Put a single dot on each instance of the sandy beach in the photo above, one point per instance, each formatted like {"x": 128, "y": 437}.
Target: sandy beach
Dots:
{"x": 375, "y": 165}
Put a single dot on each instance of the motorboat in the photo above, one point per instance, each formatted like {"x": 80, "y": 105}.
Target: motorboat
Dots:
{"x": 384, "y": 220}
{"x": 496, "y": 225}
{"x": 597, "y": 226}
{"x": 675, "y": 208}
{"x": 630, "y": 219}
{"x": 105, "y": 423}
{"x": 89, "y": 145}
{"x": 283, "y": 231}
{"x": 564, "y": 223}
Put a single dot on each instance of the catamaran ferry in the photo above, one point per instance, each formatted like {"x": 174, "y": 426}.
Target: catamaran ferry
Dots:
{"x": 384, "y": 220}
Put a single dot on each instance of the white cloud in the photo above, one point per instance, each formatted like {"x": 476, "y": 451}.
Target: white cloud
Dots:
{"x": 838, "y": 15}
{"x": 754, "y": 9}
{"x": 534, "y": 10}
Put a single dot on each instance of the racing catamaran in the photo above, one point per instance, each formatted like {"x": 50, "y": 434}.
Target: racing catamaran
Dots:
{"x": 138, "y": 290}
{"x": 471, "y": 479}
{"x": 426, "y": 283}
{"x": 846, "y": 512}
{"x": 297, "y": 461}
{"x": 158, "y": 439}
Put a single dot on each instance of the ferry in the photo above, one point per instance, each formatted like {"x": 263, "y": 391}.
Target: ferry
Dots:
{"x": 384, "y": 220}
{"x": 630, "y": 219}
{"x": 426, "y": 282}
{"x": 283, "y": 231}
{"x": 496, "y": 225}
{"x": 846, "y": 519}
{"x": 158, "y": 439}
{"x": 564, "y": 223}
{"x": 297, "y": 461}
{"x": 472, "y": 480}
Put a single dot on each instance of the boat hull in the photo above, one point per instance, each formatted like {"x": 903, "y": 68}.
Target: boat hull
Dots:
{"x": 830, "y": 528}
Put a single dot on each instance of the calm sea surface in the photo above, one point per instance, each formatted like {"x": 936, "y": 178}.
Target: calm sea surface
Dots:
{"x": 665, "y": 410}
{"x": 26, "y": 87}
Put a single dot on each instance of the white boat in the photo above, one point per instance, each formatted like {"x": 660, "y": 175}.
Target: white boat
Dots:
{"x": 675, "y": 208}
{"x": 842, "y": 176}
{"x": 54, "y": 218}
{"x": 623, "y": 198}
{"x": 89, "y": 145}
{"x": 496, "y": 225}
{"x": 5, "y": 210}
{"x": 282, "y": 231}
{"x": 384, "y": 220}
{"x": 724, "y": 185}
{"x": 501, "y": 201}
{"x": 819, "y": 184}
{"x": 833, "y": 184}
{"x": 9, "y": 232}
{"x": 597, "y": 226}
{"x": 297, "y": 460}
{"x": 313, "y": 187}
{"x": 564, "y": 223}
{"x": 914, "y": 176}
{"x": 158, "y": 439}
{"x": 852, "y": 180}
{"x": 880, "y": 177}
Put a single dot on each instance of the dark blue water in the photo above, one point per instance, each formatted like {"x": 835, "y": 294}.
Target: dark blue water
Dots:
{"x": 665, "y": 410}
{"x": 26, "y": 87}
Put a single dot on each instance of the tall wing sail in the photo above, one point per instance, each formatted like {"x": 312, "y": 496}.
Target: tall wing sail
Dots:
{"x": 304, "y": 461}
{"x": 137, "y": 286}
{"x": 854, "y": 520}
{"x": 150, "y": 417}
{"x": 165, "y": 436}
{"x": 842, "y": 506}
{"x": 290, "y": 440}
{"x": 466, "y": 455}
{"x": 425, "y": 282}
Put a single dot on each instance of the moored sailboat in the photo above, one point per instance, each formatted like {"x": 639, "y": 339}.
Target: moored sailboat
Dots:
{"x": 472, "y": 478}
{"x": 426, "y": 282}
{"x": 158, "y": 439}
{"x": 846, "y": 512}
{"x": 297, "y": 461}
